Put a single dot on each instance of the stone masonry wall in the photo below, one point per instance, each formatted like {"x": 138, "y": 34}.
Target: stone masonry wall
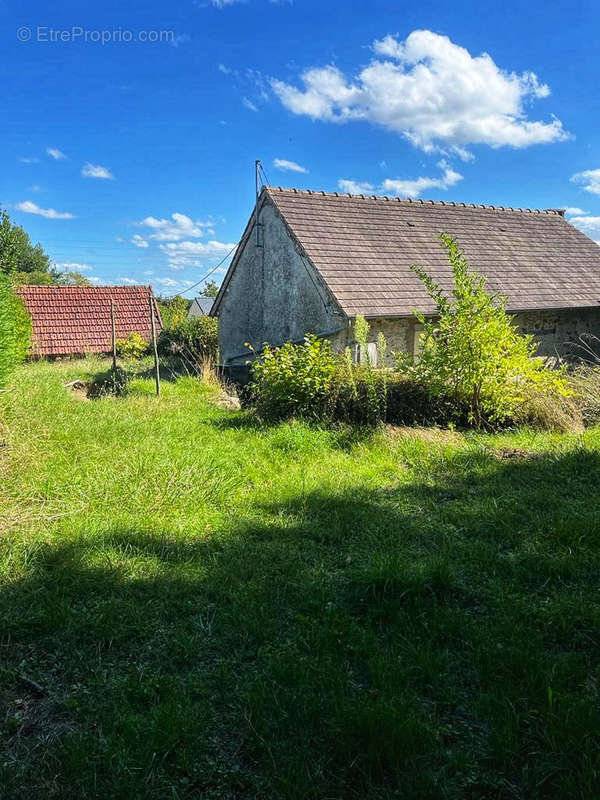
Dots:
{"x": 557, "y": 332}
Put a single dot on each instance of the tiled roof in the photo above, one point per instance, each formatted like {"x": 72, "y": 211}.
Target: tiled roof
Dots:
{"x": 76, "y": 319}
{"x": 363, "y": 248}
{"x": 204, "y": 304}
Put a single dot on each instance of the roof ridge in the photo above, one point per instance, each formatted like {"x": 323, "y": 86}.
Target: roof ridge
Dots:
{"x": 58, "y": 287}
{"x": 416, "y": 201}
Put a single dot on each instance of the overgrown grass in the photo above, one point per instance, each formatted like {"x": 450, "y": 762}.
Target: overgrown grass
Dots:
{"x": 194, "y": 606}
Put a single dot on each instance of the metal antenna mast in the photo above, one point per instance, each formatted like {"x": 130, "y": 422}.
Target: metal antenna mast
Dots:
{"x": 257, "y": 166}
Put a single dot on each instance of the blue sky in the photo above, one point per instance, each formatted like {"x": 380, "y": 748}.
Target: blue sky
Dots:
{"x": 134, "y": 159}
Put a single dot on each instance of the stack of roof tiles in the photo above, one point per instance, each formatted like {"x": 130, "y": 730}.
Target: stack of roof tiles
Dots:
{"x": 70, "y": 320}
{"x": 363, "y": 248}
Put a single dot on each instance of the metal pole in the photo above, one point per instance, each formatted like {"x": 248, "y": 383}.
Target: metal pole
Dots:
{"x": 256, "y": 181}
{"x": 114, "y": 335}
{"x": 154, "y": 345}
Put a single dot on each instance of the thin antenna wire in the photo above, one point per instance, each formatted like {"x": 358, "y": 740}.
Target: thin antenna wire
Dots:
{"x": 258, "y": 167}
{"x": 214, "y": 269}
{"x": 262, "y": 169}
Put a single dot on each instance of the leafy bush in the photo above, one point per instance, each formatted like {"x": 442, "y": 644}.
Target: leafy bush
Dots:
{"x": 372, "y": 400}
{"x": 473, "y": 353}
{"x": 195, "y": 341}
{"x": 15, "y": 329}
{"x": 133, "y": 347}
{"x": 173, "y": 310}
{"x": 109, "y": 382}
{"x": 294, "y": 380}
{"x": 309, "y": 381}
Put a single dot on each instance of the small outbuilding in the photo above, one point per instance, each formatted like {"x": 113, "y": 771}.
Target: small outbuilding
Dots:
{"x": 201, "y": 307}
{"x": 310, "y": 262}
{"x": 75, "y": 320}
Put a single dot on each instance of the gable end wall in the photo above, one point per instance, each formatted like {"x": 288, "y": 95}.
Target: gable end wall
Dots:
{"x": 271, "y": 297}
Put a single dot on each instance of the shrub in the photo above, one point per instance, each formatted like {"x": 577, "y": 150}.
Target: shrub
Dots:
{"x": 110, "y": 382}
{"x": 173, "y": 310}
{"x": 294, "y": 380}
{"x": 133, "y": 347}
{"x": 472, "y": 352}
{"x": 373, "y": 398}
{"x": 15, "y": 329}
{"x": 550, "y": 411}
{"x": 195, "y": 341}
{"x": 585, "y": 384}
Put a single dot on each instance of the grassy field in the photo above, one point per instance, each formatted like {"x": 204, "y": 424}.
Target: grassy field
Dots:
{"x": 194, "y": 606}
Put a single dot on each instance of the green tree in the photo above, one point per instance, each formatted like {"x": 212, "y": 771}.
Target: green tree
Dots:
{"x": 26, "y": 263}
{"x": 69, "y": 278}
{"x": 473, "y": 353}
{"x": 173, "y": 310}
{"x": 17, "y": 253}
{"x": 210, "y": 289}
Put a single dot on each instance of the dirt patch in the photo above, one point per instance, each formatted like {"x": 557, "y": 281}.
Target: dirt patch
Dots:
{"x": 32, "y": 719}
{"x": 79, "y": 388}
{"x": 512, "y": 453}
{"x": 229, "y": 401}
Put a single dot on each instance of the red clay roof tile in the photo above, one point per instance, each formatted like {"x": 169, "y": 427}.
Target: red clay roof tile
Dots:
{"x": 69, "y": 320}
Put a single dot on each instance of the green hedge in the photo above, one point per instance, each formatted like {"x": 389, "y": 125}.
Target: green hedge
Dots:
{"x": 194, "y": 340}
{"x": 15, "y": 329}
{"x": 309, "y": 381}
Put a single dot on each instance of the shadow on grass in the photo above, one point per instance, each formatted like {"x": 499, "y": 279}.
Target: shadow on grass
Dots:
{"x": 343, "y": 436}
{"x": 430, "y": 640}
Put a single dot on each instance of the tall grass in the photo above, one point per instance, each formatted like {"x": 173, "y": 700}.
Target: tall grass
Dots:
{"x": 196, "y": 605}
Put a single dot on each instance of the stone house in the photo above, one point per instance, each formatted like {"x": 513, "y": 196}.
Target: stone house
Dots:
{"x": 309, "y": 262}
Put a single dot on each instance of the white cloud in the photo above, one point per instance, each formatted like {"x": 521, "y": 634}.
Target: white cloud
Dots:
{"x": 179, "y": 226}
{"x": 430, "y": 90}
{"x": 249, "y": 104}
{"x": 588, "y": 224}
{"x": 185, "y": 254}
{"x": 288, "y": 166}
{"x": 96, "y": 171}
{"x": 405, "y": 188}
{"x": 225, "y": 3}
{"x": 29, "y": 160}
{"x": 55, "y": 153}
{"x": 71, "y": 266}
{"x": 49, "y": 213}
{"x": 166, "y": 282}
{"x": 589, "y": 179}
{"x": 139, "y": 241}
{"x": 356, "y": 187}
{"x": 35, "y": 188}
{"x": 94, "y": 279}
{"x": 227, "y": 70}
{"x": 573, "y": 211}
{"x": 129, "y": 281}
{"x": 414, "y": 188}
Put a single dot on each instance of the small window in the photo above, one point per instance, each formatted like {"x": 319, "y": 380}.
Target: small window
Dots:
{"x": 370, "y": 356}
{"x": 364, "y": 355}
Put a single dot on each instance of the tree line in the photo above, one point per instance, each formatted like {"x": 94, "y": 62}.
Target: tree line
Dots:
{"x": 27, "y": 263}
